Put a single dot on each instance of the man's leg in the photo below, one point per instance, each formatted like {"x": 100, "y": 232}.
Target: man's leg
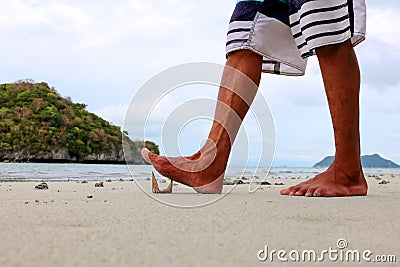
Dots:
{"x": 205, "y": 169}
{"x": 341, "y": 76}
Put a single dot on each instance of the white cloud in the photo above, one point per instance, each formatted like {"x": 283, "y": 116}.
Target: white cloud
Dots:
{"x": 386, "y": 99}
{"x": 113, "y": 113}
{"x": 100, "y": 52}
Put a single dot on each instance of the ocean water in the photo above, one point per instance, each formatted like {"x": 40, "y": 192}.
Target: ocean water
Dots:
{"x": 88, "y": 172}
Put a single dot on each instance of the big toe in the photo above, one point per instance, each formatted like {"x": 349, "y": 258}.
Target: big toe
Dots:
{"x": 285, "y": 191}
{"x": 145, "y": 154}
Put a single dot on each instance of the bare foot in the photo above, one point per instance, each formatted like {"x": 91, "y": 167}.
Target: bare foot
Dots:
{"x": 202, "y": 171}
{"x": 333, "y": 182}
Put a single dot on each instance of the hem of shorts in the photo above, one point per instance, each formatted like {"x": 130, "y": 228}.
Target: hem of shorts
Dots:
{"x": 362, "y": 37}
{"x": 248, "y": 47}
{"x": 312, "y": 48}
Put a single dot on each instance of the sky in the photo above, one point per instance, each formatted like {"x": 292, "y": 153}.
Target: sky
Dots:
{"x": 102, "y": 52}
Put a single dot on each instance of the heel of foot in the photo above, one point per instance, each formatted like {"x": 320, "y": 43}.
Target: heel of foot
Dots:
{"x": 214, "y": 187}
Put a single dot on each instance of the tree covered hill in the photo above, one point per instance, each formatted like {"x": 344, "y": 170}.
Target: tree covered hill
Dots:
{"x": 38, "y": 125}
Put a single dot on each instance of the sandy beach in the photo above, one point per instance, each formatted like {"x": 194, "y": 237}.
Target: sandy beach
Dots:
{"x": 77, "y": 224}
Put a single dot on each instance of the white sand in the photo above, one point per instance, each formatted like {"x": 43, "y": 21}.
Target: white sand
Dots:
{"x": 122, "y": 226}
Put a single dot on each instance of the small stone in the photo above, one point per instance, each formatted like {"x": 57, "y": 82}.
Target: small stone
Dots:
{"x": 383, "y": 182}
{"x": 26, "y": 202}
{"x": 148, "y": 179}
{"x": 36, "y": 201}
{"x": 279, "y": 184}
{"x": 42, "y": 186}
{"x": 84, "y": 182}
{"x": 227, "y": 182}
{"x": 99, "y": 184}
{"x": 89, "y": 196}
{"x": 108, "y": 181}
{"x": 377, "y": 178}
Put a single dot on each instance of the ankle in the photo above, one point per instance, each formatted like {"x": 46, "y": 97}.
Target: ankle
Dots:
{"x": 352, "y": 172}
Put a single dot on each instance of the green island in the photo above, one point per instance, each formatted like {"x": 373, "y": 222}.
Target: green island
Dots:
{"x": 39, "y": 125}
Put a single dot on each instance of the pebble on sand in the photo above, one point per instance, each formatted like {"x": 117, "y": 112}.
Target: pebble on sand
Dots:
{"x": 42, "y": 186}
{"x": 99, "y": 184}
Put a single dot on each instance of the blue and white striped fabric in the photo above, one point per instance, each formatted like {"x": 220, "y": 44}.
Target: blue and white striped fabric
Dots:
{"x": 319, "y": 22}
{"x": 286, "y": 32}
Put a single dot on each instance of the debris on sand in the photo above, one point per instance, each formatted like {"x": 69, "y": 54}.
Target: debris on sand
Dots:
{"x": 42, "y": 186}
{"x": 99, "y": 184}
{"x": 227, "y": 182}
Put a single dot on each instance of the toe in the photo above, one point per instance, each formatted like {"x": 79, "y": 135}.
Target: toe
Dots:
{"x": 319, "y": 192}
{"x": 294, "y": 189}
{"x": 145, "y": 154}
{"x": 288, "y": 190}
{"x": 310, "y": 192}
{"x": 301, "y": 192}
{"x": 285, "y": 191}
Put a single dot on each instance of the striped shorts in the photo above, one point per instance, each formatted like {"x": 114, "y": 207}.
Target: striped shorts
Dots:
{"x": 286, "y": 32}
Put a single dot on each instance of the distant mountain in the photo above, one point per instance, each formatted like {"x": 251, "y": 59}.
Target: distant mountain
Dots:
{"x": 38, "y": 125}
{"x": 367, "y": 161}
